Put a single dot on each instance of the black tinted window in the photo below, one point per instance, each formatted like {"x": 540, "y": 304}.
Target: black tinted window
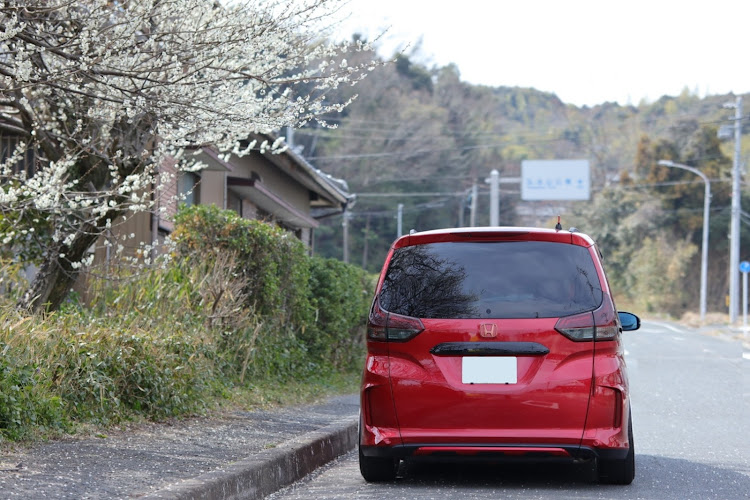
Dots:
{"x": 524, "y": 279}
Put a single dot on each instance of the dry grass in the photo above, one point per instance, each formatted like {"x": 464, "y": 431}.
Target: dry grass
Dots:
{"x": 693, "y": 319}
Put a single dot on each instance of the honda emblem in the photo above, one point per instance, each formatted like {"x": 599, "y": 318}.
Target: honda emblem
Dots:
{"x": 488, "y": 330}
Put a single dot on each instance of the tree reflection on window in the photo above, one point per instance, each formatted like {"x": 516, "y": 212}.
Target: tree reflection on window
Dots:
{"x": 422, "y": 285}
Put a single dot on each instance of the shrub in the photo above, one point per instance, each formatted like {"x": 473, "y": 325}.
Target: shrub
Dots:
{"x": 656, "y": 266}
{"x": 271, "y": 261}
{"x": 106, "y": 373}
{"x": 27, "y": 399}
{"x": 310, "y": 312}
{"x": 12, "y": 279}
{"x": 341, "y": 295}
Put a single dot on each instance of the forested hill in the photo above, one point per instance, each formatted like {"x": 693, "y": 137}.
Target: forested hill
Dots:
{"x": 421, "y": 137}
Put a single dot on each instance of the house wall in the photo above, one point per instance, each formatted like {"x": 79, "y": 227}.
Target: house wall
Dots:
{"x": 275, "y": 180}
{"x": 138, "y": 225}
{"x": 105, "y": 257}
{"x": 213, "y": 185}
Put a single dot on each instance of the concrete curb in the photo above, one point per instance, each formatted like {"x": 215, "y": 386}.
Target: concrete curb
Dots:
{"x": 270, "y": 470}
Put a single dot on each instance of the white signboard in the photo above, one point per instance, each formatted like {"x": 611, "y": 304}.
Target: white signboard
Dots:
{"x": 555, "y": 180}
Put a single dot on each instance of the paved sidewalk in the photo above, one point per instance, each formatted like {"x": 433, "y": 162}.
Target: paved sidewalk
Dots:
{"x": 241, "y": 455}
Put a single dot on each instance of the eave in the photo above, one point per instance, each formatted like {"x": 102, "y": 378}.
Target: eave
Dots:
{"x": 264, "y": 198}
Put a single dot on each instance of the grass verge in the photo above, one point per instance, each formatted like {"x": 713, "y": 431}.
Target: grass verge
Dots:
{"x": 235, "y": 314}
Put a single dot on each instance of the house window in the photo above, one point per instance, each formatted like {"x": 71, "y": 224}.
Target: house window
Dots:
{"x": 188, "y": 185}
{"x": 8, "y": 144}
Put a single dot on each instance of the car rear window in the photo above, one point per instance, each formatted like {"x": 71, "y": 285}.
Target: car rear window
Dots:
{"x": 519, "y": 279}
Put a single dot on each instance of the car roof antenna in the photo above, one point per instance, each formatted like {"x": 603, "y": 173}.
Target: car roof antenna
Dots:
{"x": 558, "y": 226}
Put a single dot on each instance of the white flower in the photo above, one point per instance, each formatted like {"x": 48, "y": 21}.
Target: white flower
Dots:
{"x": 125, "y": 102}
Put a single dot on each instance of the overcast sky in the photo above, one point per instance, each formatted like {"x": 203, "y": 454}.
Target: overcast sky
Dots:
{"x": 585, "y": 51}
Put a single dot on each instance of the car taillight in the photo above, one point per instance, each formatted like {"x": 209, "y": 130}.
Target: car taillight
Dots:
{"x": 606, "y": 321}
{"x": 601, "y": 324}
{"x": 578, "y": 328}
{"x": 386, "y": 326}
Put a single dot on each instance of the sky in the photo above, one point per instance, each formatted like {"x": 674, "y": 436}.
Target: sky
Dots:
{"x": 586, "y": 51}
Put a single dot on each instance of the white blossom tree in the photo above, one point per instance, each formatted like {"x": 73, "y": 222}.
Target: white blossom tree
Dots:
{"x": 100, "y": 92}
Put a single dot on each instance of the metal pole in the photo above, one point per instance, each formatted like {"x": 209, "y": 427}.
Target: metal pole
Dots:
{"x": 494, "y": 198}
{"x": 473, "y": 216}
{"x": 704, "y": 245}
{"x": 462, "y": 209}
{"x": 744, "y": 300}
{"x": 400, "y": 224}
{"x": 345, "y": 223}
{"x": 734, "y": 235}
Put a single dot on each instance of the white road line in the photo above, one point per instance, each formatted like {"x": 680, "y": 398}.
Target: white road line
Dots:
{"x": 746, "y": 355}
{"x": 666, "y": 325}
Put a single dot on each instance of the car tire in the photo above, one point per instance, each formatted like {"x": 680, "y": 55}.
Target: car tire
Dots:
{"x": 619, "y": 471}
{"x": 377, "y": 469}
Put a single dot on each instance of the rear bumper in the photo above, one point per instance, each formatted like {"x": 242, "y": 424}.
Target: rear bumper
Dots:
{"x": 496, "y": 451}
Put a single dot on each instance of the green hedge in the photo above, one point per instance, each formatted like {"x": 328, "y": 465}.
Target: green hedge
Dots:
{"x": 272, "y": 262}
{"x": 341, "y": 295}
{"x": 313, "y": 309}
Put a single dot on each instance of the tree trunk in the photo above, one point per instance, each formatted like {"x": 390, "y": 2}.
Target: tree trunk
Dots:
{"x": 56, "y": 275}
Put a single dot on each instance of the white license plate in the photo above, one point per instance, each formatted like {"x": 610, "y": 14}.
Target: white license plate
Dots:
{"x": 489, "y": 370}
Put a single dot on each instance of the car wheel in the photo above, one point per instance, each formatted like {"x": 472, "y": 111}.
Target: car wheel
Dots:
{"x": 619, "y": 471}
{"x": 377, "y": 469}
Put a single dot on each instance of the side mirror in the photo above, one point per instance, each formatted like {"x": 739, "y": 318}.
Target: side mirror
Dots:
{"x": 629, "y": 321}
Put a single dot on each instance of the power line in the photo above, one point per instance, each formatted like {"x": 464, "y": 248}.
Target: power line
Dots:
{"x": 530, "y": 138}
{"x": 414, "y": 152}
{"x": 410, "y": 195}
{"x": 638, "y": 115}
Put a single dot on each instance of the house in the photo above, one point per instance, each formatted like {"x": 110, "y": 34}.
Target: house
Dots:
{"x": 281, "y": 188}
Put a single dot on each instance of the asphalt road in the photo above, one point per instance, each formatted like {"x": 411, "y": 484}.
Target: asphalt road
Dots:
{"x": 690, "y": 397}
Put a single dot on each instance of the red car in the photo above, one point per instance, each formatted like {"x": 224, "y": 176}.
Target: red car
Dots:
{"x": 498, "y": 343}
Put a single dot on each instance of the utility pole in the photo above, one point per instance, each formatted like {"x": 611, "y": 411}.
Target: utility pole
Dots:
{"x": 474, "y": 195}
{"x": 494, "y": 197}
{"x": 461, "y": 210}
{"x": 345, "y": 224}
{"x": 367, "y": 242}
{"x": 734, "y": 232}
